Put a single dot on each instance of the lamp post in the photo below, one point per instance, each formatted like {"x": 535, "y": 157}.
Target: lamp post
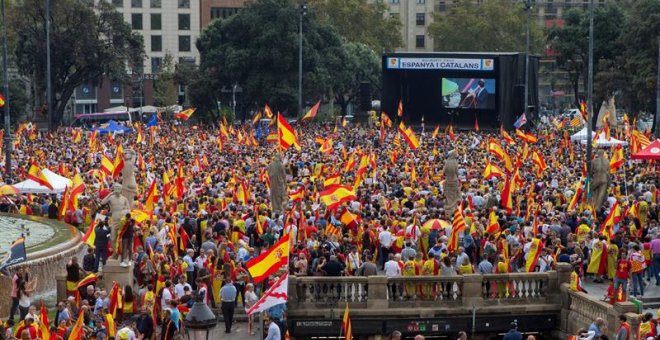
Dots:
{"x": 590, "y": 89}
{"x": 657, "y": 96}
{"x": 200, "y": 320}
{"x": 303, "y": 11}
{"x": 528, "y": 9}
{"x": 48, "y": 85}
{"x": 5, "y": 69}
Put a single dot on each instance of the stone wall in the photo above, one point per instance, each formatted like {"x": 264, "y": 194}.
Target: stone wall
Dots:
{"x": 44, "y": 265}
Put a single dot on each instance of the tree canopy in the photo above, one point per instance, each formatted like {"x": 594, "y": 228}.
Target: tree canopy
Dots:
{"x": 87, "y": 42}
{"x": 488, "y": 26}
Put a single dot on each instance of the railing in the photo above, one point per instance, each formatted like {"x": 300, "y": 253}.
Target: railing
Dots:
{"x": 517, "y": 286}
{"x": 431, "y": 289}
{"x": 330, "y": 291}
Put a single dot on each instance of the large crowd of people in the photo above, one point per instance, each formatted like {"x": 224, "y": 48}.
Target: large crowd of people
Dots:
{"x": 210, "y": 213}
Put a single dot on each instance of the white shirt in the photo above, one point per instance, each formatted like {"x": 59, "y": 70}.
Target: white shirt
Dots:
{"x": 126, "y": 333}
{"x": 273, "y": 332}
{"x": 167, "y": 295}
{"x": 178, "y": 289}
{"x": 385, "y": 238}
{"x": 392, "y": 269}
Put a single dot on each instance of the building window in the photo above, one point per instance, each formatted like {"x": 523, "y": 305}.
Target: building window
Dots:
{"x": 86, "y": 92}
{"x": 136, "y": 3}
{"x": 184, "y": 22}
{"x": 420, "y": 19}
{"x": 156, "y": 43}
{"x": 155, "y": 4}
{"x": 442, "y": 6}
{"x": 136, "y": 21}
{"x": 394, "y": 16}
{"x": 184, "y": 3}
{"x": 116, "y": 91}
{"x": 184, "y": 43}
{"x": 155, "y": 64}
{"x": 420, "y": 2}
{"x": 394, "y": 1}
{"x": 223, "y": 12}
{"x": 118, "y": 3}
{"x": 156, "y": 19}
{"x": 419, "y": 41}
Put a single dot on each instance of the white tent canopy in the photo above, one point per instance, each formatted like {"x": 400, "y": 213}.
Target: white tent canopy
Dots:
{"x": 602, "y": 141}
{"x": 580, "y": 135}
{"x": 116, "y": 109}
{"x": 58, "y": 182}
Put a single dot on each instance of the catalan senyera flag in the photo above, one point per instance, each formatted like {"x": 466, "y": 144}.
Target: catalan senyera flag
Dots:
{"x": 334, "y": 196}
{"x": 617, "y": 159}
{"x": 35, "y": 174}
{"x": 332, "y": 230}
{"x": 533, "y": 255}
{"x": 399, "y": 109}
{"x": 287, "y": 136}
{"x": 185, "y": 114}
{"x": 312, "y": 111}
{"x": 346, "y": 325}
{"x": 409, "y": 136}
{"x": 492, "y": 170}
{"x": 576, "y": 121}
{"x": 457, "y": 225}
{"x": 270, "y": 261}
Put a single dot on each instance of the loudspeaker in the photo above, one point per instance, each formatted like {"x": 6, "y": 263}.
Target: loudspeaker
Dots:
{"x": 364, "y": 97}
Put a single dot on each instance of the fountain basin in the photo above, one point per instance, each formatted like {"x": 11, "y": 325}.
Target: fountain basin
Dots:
{"x": 50, "y": 246}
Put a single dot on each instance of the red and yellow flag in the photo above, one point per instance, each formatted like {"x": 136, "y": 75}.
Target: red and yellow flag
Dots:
{"x": 333, "y": 196}
{"x": 346, "y": 325}
{"x": 107, "y": 166}
{"x": 185, "y": 114}
{"x": 533, "y": 255}
{"x": 76, "y": 332}
{"x": 409, "y": 136}
{"x": 399, "y": 109}
{"x": 38, "y": 176}
{"x": 287, "y": 136}
{"x": 151, "y": 196}
{"x": 617, "y": 159}
{"x": 509, "y": 140}
{"x": 312, "y": 111}
{"x": 270, "y": 261}
{"x": 44, "y": 324}
{"x": 539, "y": 161}
{"x": 457, "y": 225}
{"x": 492, "y": 170}
{"x": 387, "y": 122}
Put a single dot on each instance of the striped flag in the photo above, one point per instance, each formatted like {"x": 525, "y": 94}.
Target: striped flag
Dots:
{"x": 346, "y": 325}
{"x": 458, "y": 225}
{"x": 576, "y": 121}
{"x": 332, "y": 230}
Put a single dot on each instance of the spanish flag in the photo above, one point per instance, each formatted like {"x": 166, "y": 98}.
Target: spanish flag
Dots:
{"x": 539, "y": 161}
{"x": 506, "y": 199}
{"x": 118, "y": 163}
{"x": 617, "y": 159}
{"x": 2, "y": 100}
{"x": 297, "y": 195}
{"x": 312, "y": 112}
{"x": 527, "y": 137}
{"x": 435, "y": 132}
{"x": 493, "y": 224}
{"x": 334, "y": 196}
{"x": 77, "y": 189}
{"x": 346, "y": 325}
{"x": 87, "y": 280}
{"x": 76, "y": 332}
{"x": 270, "y": 261}
{"x": 386, "y": 121}
{"x": 90, "y": 234}
{"x": 533, "y": 255}
{"x": 495, "y": 149}
{"x": 409, "y": 136}
{"x": 349, "y": 219}
{"x": 287, "y": 136}
{"x": 242, "y": 194}
{"x": 185, "y": 114}
{"x": 332, "y": 180}
{"x": 576, "y": 198}
{"x": 492, "y": 170}
{"x": 36, "y": 175}
{"x": 44, "y": 324}
{"x": 509, "y": 140}
{"x": 151, "y": 196}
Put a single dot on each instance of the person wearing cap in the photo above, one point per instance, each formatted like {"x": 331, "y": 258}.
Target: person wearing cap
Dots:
{"x": 513, "y": 333}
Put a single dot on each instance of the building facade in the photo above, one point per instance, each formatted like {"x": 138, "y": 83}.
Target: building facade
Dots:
{"x": 415, "y": 16}
{"x": 169, "y": 27}
{"x": 218, "y": 9}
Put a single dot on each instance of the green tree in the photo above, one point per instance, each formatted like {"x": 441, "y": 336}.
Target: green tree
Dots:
{"x": 488, "y": 26}
{"x": 165, "y": 92}
{"x": 360, "y": 21}
{"x": 258, "y": 50}
{"x": 362, "y": 65}
{"x": 571, "y": 41}
{"x": 87, "y": 42}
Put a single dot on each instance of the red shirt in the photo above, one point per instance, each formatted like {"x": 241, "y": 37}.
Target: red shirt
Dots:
{"x": 623, "y": 269}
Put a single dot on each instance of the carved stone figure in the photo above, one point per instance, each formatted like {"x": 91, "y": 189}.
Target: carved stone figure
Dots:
{"x": 119, "y": 207}
{"x": 451, "y": 187}
{"x": 128, "y": 184}
{"x": 277, "y": 177}
{"x": 600, "y": 180}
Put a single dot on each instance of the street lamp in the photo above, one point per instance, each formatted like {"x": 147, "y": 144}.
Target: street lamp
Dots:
{"x": 528, "y": 9}
{"x": 200, "y": 320}
{"x": 48, "y": 82}
{"x": 590, "y": 90}
{"x": 5, "y": 69}
{"x": 303, "y": 12}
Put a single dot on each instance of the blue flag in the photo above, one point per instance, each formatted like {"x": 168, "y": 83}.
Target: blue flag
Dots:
{"x": 521, "y": 121}
{"x": 16, "y": 255}
{"x": 153, "y": 121}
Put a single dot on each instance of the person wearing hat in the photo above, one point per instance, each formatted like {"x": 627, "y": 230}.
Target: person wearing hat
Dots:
{"x": 513, "y": 333}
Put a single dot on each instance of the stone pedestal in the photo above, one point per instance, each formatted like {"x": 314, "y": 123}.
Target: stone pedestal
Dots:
{"x": 113, "y": 272}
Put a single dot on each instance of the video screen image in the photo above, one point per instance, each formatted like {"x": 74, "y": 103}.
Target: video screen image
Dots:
{"x": 468, "y": 93}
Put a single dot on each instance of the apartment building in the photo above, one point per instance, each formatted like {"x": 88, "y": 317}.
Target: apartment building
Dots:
{"x": 415, "y": 16}
{"x": 218, "y": 9}
{"x": 168, "y": 27}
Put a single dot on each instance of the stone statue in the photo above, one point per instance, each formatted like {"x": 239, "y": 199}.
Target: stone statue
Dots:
{"x": 277, "y": 177}
{"x": 451, "y": 188}
{"x": 128, "y": 184}
{"x": 119, "y": 207}
{"x": 600, "y": 180}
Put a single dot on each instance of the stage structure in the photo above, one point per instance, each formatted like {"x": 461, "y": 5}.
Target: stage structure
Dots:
{"x": 456, "y": 87}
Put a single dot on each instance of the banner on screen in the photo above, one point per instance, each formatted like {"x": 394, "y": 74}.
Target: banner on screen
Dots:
{"x": 465, "y": 64}
{"x": 468, "y": 93}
